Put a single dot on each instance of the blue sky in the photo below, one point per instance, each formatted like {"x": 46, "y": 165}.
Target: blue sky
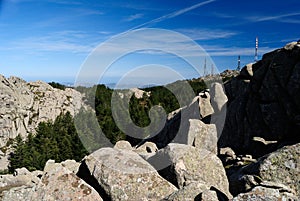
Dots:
{"x": 51, "y": 39}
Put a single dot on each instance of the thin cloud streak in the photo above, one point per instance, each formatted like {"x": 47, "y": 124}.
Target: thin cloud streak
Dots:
{"x": 63, "y": 41}
{"x": 222, "y": 15}
{"x": 66, "y": 2}
{"x": 290, "y": 21}
{"x": 70, "y": 41}
{"x": 62, "y": 19}
{"x": 272, "y": 18}
{"x": 234, "y": 51}
{"x": 159, "y": 40}
{"x": 134, "y": 17}
{"x": 207, "y": 34}
{"x": 289, "y": 40}
{"x": 172, "y": 15}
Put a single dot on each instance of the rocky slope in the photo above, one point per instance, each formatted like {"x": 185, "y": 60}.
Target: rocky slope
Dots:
{"x": 124, "y": 173}
{"x": 24, "y": 105}
{"x": 263, "y": 111}
{"x": 278, "y": 170}
{"x": 57, "y": 182}
{"x": 177, "y": 172}
{"x": 257, "y": 157}
{"x": 133, "y": 173}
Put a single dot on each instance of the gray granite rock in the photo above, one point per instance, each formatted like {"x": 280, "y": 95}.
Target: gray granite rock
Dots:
{"x": 183, "y": 164}
{"x": 124, "y": 175}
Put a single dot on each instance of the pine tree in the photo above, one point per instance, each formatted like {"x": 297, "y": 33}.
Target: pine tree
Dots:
{"x": 58, "y": 141}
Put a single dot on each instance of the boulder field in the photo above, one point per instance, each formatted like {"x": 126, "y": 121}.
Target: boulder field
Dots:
{"x": 236, "y": 141}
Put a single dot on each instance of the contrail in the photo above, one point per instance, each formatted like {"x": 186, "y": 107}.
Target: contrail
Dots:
{"x": 171, "y": 15}
{"x": 275, "y": 17}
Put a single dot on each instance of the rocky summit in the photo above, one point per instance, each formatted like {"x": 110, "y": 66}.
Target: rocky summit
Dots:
{"x": 235, "y": 142}
{"x": 263, "y": 111}
{"x": 24, "y": 105}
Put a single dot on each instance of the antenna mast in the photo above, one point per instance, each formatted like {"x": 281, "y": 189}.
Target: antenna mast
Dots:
{"x": 239, "y": 63}
{"x": 256, "y": 49}
{"x": 204, "y": 68}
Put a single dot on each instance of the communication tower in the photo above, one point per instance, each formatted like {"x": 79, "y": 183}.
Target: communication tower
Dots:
{"x": 239, "y": 63}
{"x": 256, "y": 49}
{"x": 204, "y": 68}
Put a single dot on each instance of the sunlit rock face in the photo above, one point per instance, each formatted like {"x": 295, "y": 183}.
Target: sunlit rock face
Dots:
{"x": 24, "y": 105}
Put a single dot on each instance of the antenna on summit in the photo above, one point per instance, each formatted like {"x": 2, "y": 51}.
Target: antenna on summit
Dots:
{"x": 256, "y": 49}
{"x": 239, "y": 63}
{"x": 204, "y": 68}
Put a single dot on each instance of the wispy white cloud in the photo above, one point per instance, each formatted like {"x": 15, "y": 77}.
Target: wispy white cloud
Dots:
{"x": 138, "y": 6}
{"x": 282, "y": 18}
{"x": 134, "y": 17}
{"x": 70, "y": 41}
{"x": 171, "y": 46}
{"x": 223, "y": 15}
{"x": 64, "y": 41}
{"x": 74, "y": 2}
{"x": 86, "y": 12}
{"x": 174, "y": 14}
{"x": 234, "y": 51}
{"x": 18, "y": 1}
{"x": 288, "y": 40}
{"x": 207, "y": 34}
{"x": 105, "y": 32}
{"x": 66, "y": 2}
{"x": 77, "y": 13}
{"x": 291, "y": 21}
{"x": 182, "y": 11}
{"x": 167, "y": 40}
